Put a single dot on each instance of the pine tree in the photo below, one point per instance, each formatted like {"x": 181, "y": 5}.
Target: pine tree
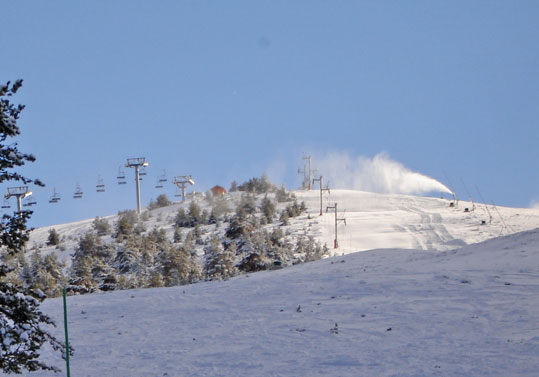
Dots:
{"x": 219, "y": 263}
{"x": 54, "y": 238}
{"x": 101, "y": 226}
{"x": 268, "y": 209}
{"x": 23, "y": 326}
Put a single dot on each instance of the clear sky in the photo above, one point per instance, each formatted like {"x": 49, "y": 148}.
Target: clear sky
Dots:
{"x": 228, "y": 90}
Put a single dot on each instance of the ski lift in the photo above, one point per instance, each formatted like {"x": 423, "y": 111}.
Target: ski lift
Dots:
{"x": 55, "y": 198}
{"x": 100, "y": 187}
{"x": 163, "y": 178}
{"x": 78, "y": 193}
{"x": 121, "y": 177}
{"x": 142, "y": 171}
{"x": 178, "y": 192}
{"x": 28, "y": 202}
{"x": 5, "y": 204}
{"x": 160, "y": 180}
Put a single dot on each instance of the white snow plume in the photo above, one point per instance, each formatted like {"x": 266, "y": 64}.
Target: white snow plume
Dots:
{"x": 534, "y": 204}
{"x": 379, "y": 174}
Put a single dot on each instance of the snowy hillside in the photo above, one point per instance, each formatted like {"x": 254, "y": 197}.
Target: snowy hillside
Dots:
{"x": 467, "y": 312}
{"x": 402, "y": 221}
{"x": 372, "y": 221}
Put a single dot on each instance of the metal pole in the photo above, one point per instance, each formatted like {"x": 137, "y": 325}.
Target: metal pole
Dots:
{"x": 320, "y": 180}
{"x": 336, "y": 243}
{"x": 66, "y": 333}
{"x": 310, "y": 175}
{"x": 137, "y": 179}
{"x": 320, "y": 196}
{"x": 19, "y": 203}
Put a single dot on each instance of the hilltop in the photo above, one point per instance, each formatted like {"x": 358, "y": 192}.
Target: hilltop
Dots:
{"x": 373, "y": 221}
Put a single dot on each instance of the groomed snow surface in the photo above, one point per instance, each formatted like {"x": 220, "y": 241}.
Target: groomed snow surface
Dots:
{"x": 469, "y": 311}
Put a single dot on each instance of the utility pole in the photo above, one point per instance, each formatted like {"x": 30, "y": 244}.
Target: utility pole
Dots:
{"x": 335, "y": 243}
{"x": 137, "y": 163}
{"x": 321, "y": 190}
{"x": 181, "y": 181}
{"x": 20, "y": 193}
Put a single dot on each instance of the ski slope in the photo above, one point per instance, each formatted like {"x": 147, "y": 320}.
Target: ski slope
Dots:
{"x": 373, "y": 221}
{"x": 376, "y": 221}
{"x": 467, "y": 312}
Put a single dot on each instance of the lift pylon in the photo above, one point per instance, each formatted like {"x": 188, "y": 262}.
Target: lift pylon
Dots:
{"x": 335, "y": 242}
{"x": 20, "y": 193}
{"x": 181, "y": 181}
{"x": 137, "y": 163}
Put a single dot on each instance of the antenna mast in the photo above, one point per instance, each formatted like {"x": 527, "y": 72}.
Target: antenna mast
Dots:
{"x": 307, "y": 183}
{"x": 137, "y": 163}
{"x": 310, "y": 171}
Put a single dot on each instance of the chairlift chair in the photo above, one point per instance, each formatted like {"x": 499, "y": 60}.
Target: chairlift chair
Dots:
{"x": 55, "y": 198}
{"x": 121, "y": 177}
{"x": 28, "y": 202}
{"x": 6, "y": 204}
{"x": 78, "y": 193}
{"x": 163, "y": 178}
{"x": 100, "y": 187}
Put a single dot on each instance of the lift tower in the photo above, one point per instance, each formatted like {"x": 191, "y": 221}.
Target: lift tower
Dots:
{"x": 137, "y": 163}
{"x": 180, "y": 181}
{"x": 319, "y": 179}
{"x": 336, "y": 243}
{"x": 20, "y": 193}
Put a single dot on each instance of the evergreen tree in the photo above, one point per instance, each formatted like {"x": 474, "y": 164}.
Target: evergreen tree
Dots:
{"x": 23, "y": 326}
{"x": 282, "y": 195}
{"x": 54, "y": 238}
{"x": 162, "y": 201}
{"x": 268, "y": 209}
{"x": 179, "y": 266}
{"x": 177, "y": 235}
{"x": 126, "y": 224}
{"x": 101, "y": 226}
{"x": 219, "y": 263}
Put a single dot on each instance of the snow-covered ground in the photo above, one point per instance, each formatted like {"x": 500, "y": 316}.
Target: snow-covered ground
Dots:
{"x": 373, "y": 221}
{"x": 467, "y": 312}
{"x": 376, "y": 221}
{"x": 458, "y": 309}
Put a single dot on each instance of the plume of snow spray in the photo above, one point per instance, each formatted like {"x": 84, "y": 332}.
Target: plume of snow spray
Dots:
{"x": 379, "y": 174}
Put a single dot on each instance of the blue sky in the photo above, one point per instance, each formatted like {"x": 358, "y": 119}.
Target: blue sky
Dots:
{"x": 229, "y": 90}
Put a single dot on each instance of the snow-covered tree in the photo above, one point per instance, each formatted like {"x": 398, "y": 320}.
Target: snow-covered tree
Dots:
{"x": 23, "y": 327}
{"x": 219, "y": 263}
{"x": 54, "y": 238}
{"x": 101, "y": 226}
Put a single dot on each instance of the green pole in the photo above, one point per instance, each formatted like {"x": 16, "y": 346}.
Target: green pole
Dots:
{"x": 67, "y": 337}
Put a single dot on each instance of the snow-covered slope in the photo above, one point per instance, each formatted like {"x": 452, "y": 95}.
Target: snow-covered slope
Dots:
{"x": 402, "y": 221}
{"x": 467, "y": 312}
{"x": 372, "y": 221}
